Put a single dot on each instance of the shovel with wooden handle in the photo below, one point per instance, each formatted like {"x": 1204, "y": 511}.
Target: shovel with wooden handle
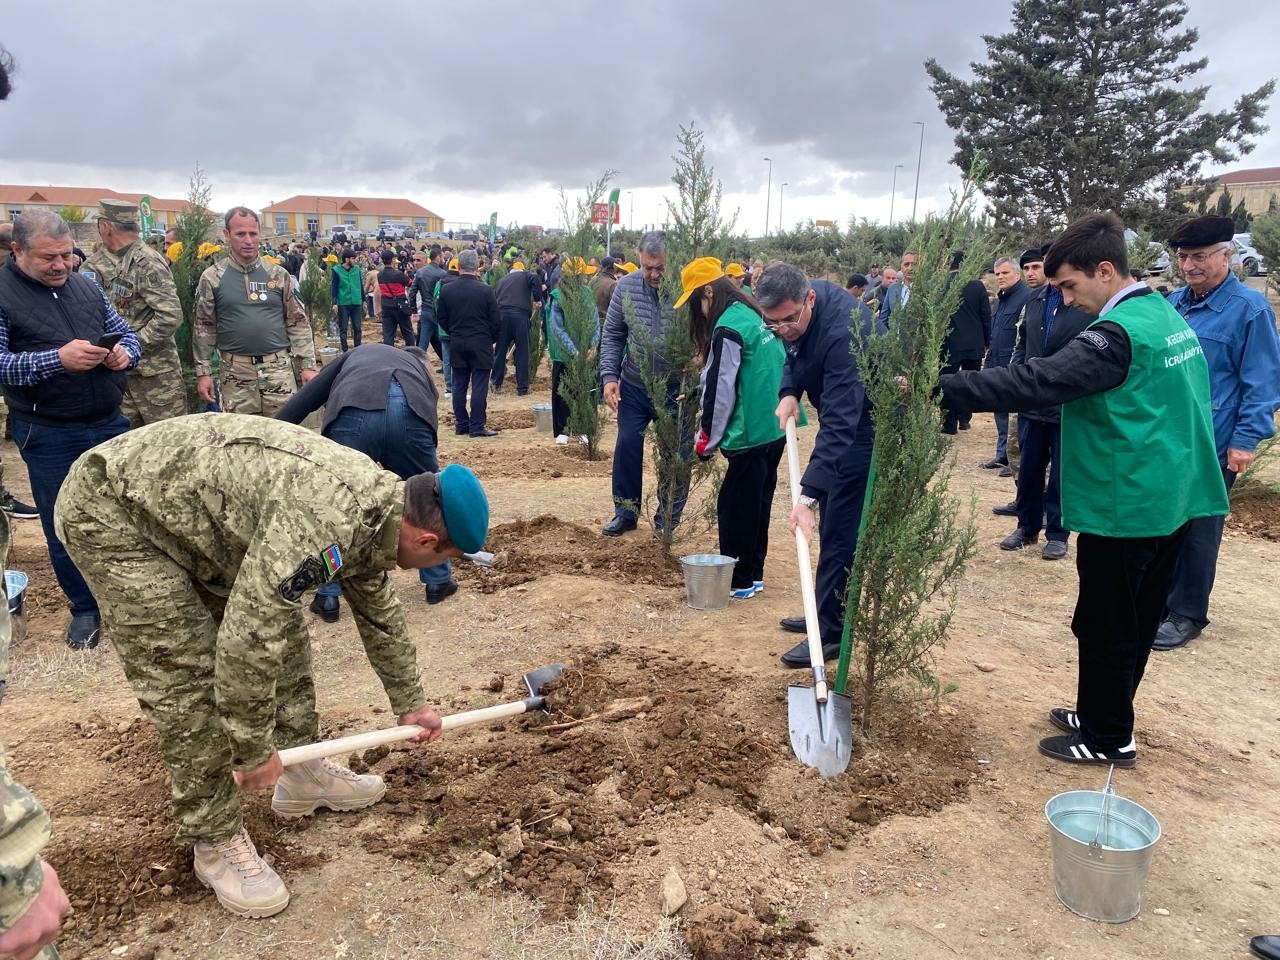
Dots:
{"x": 534, "y": 682}
{"x": 819, "y": 720}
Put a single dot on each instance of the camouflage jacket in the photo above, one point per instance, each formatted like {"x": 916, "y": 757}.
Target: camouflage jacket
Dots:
{"x": 24, "y": 826}
{"x": 281, "y": 287}
{"x": 140, "y": 287}
{"x": 258, "y": 511}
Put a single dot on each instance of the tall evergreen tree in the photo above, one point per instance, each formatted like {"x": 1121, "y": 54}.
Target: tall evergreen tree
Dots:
{"x": 1087, "y": 105}
{"x": 1241, "y": 217}
{"x": 1223, "y": 207}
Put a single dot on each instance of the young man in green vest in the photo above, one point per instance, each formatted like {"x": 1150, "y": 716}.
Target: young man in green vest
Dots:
{"x": 1138, "y": 462}
{"x": 346, "y": 289}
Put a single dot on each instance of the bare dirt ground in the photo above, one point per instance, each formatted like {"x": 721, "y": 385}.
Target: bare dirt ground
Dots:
{"x": 545, "y": 838}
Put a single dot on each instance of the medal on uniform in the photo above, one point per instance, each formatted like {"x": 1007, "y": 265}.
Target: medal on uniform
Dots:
{"x": 257, "y": 290}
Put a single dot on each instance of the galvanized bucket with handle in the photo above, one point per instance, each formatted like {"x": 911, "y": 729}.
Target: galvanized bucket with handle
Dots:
{"x": 708, "y": 580}
{"x": 542, "y": 417}
{"x": 1102, "y": 849}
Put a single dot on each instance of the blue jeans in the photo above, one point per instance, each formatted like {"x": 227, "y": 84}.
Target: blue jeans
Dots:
{"x": 1002, "y": 436}
{"x": 448, "y": 367}
{"x": 402, "y": 443}
{"x": 1197, "y": 566}
{"x": 49, "y": 453}
{"x": 635, "y": 413}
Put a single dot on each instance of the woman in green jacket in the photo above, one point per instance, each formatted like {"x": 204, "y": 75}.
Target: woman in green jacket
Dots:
{"x": 742, "y": 370}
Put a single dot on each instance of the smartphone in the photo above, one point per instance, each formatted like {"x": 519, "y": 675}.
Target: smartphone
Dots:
{"x": 109, "y": 340}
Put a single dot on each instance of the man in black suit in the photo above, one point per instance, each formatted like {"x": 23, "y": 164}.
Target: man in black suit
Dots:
{"x": 968, "y": 336}
{"x": 468, "y": 313}
{"x": 1046, "y": 326}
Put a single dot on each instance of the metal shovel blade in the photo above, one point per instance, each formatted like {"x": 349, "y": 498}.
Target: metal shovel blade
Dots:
{"x": 821, "y": 733}
{"x": 535, "y": 680}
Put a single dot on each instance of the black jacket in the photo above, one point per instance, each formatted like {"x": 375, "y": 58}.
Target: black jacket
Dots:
{"x": 970, "y": 330}
{"x": 44, "y": 318}
{"x": 359, "y": 378}
{"x": 1067, "y": 325}
{"x": 468, "y": 310}
{"x": 1004, "y": 323}
{"x": 517, "y": 291}
{"x": 821, "y": 363}
{"x": 424, "y": 288}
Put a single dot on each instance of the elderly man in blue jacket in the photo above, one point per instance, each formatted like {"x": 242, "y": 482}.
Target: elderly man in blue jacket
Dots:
{"x": 819, "y": 324}
{"x": 1237, "y": 330}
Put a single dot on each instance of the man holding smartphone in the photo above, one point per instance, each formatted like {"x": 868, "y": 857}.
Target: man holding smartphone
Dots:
{"x": 63, "y": 392}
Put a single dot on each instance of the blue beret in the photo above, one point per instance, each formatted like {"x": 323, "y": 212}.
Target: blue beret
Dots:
{"x": 465, "y": 506}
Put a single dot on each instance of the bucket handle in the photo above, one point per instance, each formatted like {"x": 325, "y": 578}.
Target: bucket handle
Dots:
{"x": 1095, "y": 847}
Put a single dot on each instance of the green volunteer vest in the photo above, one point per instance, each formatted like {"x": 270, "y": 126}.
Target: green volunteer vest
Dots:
{"x": 350, "y": 286}
{"x": 752, "y": 422}
{"x": 555, "y": 348}
{"x": 1140, "y": 460}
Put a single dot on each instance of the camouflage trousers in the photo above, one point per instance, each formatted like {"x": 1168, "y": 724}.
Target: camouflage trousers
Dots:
{"x": 261, "y": 388}
{"x": 165, "y": 627}
{"x": 150, "y": 399}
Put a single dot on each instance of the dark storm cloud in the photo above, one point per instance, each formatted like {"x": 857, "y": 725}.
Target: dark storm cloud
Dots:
{"x": 385, "y": 96}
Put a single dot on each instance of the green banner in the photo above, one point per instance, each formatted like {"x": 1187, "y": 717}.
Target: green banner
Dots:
{"x": 145, "y": 219}
{"x": 493, "y": 226}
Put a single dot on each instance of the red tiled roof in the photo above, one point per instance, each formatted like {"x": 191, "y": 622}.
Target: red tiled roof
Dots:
{"x": 1257, "y": 175}
{"x": 77, "y": 196}
{"x": 370, "y": 206}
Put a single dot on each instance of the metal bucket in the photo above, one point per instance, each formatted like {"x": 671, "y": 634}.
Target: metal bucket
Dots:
{"x": 15, "y": 587}
{"x": 708, "y": 579}
{"x": 1102, "y": 848}
{"x": 542, "y": 417}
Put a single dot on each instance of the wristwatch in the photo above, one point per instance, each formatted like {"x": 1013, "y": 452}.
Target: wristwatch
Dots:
{"x": 810, "y": 502}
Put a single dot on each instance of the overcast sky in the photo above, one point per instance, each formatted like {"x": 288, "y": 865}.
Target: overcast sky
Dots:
{"x": 481, "y": 107}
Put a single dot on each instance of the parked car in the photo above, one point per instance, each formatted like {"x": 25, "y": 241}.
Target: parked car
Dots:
{"x": 393, "y": 230}
{"x": 1161, "y": 263}
{"x": 350, "y": 229}
{"x": 1245, "y": 257}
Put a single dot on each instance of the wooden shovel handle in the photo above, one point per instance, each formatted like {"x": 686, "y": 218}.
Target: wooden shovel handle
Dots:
{"x": 378, "y": 738}
{"x": 806, "y": 573}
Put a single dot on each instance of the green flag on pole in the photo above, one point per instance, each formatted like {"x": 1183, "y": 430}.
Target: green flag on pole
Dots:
{"x": 614, "y": 195}
{"x": 145, "y": 219}
{"x": 493, "y": 226}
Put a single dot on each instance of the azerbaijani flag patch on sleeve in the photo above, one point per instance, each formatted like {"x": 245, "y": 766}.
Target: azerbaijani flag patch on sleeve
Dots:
{"x": 332, "y": 558}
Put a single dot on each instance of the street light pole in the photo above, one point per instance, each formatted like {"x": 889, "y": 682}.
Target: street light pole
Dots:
{"x": 919, "y": 156}
{"x": 893, "y": 195}
{"x": 768, "y": 195}
{"x": 781, "y": 190}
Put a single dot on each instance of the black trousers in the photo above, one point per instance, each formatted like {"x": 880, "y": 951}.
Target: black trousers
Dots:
{"x": 559, "y": 405}
{"x": 1124, "y": 583}
{"x": 1197, "y": 565}
{"x": 395, "y": 319}
{"x": 839, "y": 512}
{"x": 950, "y": 419}
{"x": 743, "y": 507}
{"x": 514, "y": 331}
{"x": 1041, "y": 447}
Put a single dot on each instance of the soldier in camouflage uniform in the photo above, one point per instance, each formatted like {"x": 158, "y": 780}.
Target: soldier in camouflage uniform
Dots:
{"x": 200, "y": 536}
{"x": 32, "y": 903}
{"x": 138, "y": 282}
{"x": 248, "y": 310}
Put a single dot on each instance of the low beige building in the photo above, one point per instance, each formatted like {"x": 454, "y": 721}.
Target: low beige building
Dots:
{"x": 307, "y": 212}
{"x": 17, "y": 198}
{"x": 1255, "y": 187}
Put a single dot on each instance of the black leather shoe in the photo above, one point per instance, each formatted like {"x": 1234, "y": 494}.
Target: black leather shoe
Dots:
{"x": 436, "y": 592}
{"x": 486, "y": 432}
{"x": 964, "y": 424}
{"x": 949, "y": 432}
{"x": 618, "y": 526}
{"x": 793, "y": 624}
{"x": 995, "y": 463}
{"x": 1006, "y": 471}
{"x": 83, "y": 632}
{"x": 1010, "y": 509}
{"x": 798, "y": 656}
{"x": 1054, "y": 550}
{"x": 326, "y": 608}
{"x": 1176, "y": 631}
{"x": 1018, "y": 539}
{"x": 1266, "y": 947}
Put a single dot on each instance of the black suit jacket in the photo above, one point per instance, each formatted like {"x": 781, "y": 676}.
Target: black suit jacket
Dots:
{"x": 1067, "y": 325}
{"x": 969, "y": 334}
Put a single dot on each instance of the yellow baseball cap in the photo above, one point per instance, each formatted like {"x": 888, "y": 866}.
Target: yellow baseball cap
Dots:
{"x": 696, "y": 274}
{"x": 628, "y": 267}
{"x": 734, "y": 270}
{"x": 518, "y": 265}
{"x": 453, "y": 265}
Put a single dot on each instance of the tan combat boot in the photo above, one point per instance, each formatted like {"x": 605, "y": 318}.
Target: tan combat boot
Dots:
{"x": 323, "y": 783}
{"x": 244, "y": 883}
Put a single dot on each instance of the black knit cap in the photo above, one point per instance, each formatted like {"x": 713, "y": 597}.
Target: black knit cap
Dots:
{"x": 1203, "y": 232}
{"x": 1034, "y": 255}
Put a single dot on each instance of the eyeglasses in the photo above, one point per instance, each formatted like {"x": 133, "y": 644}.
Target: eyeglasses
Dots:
{"x": 790, "y": 321}
{"x": 1199, "y": 258}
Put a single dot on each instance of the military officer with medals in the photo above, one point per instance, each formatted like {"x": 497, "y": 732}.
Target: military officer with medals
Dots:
{"x": 200, "y": 536}
{"x": 247, "y": 309}
{"x": 139, "y": 285}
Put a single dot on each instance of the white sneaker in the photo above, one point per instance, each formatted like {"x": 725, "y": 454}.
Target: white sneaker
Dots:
{"x": 322, "y": 783}
{"x": 583, "y": 440}
{"x": 242, "y": 881}
{"x": 562, "y": 439}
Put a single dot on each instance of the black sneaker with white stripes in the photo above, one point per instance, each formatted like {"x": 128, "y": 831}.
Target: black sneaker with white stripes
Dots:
{"x": 1072, "y": 749}
{"x": 1065, "y": 719}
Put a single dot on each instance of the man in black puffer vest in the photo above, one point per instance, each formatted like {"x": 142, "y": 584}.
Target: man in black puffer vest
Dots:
{"x": 63, "y": 355}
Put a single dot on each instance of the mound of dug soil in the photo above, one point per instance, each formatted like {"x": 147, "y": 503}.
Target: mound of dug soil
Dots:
{"x": 496, "y": 420}
{"x": 1258, "y": 515}
{"x": 549, "y": 461}
{"x": 527, "y": 549}
{"x": 576, "y": 805}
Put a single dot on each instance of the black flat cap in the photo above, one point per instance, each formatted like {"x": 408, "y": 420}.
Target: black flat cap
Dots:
{"x": 1030, "y": 256}
{"x": 1203, "y": 232}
